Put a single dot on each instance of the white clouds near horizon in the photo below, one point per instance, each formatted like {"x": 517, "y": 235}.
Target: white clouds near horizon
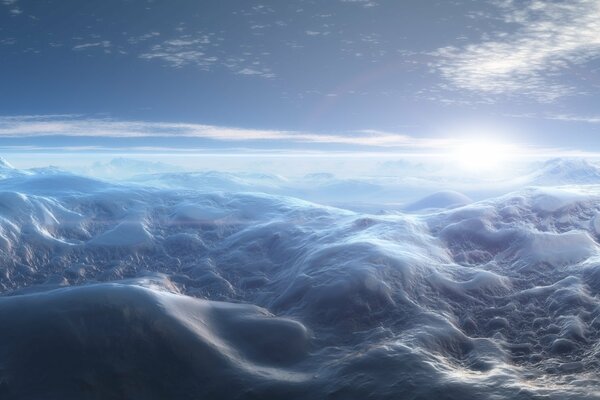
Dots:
{"x": 173, "y": 137}
{"x": 75, "y": 126}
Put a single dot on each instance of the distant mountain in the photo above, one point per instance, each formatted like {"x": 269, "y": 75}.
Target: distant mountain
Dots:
{"x": 214, "y": 181}
{"x": 127, "y": 167}
{"x": 562, "y": 171}
{"x": 8, "y": 171}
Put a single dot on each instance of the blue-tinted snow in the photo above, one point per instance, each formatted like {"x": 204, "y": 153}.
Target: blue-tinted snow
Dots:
{"x": 157, "y": 291}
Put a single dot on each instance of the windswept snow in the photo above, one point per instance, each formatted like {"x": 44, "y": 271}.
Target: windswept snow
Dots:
{"x": 162, "y": 291}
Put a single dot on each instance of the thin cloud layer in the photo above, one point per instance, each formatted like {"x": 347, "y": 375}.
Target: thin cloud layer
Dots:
{"x": 551, "y": 37}
{"x": 73, "y": 126}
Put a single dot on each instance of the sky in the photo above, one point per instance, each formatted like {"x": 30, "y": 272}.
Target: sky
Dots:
{"x": 247, "y": 76}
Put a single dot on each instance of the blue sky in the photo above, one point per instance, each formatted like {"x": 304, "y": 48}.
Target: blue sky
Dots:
{"x": 331, "y": 75}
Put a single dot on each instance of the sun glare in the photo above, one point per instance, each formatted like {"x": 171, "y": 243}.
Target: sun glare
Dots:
{"x": 478, "y": 155}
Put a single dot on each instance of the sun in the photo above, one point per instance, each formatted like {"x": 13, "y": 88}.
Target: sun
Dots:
{"x": 482, "y": 155}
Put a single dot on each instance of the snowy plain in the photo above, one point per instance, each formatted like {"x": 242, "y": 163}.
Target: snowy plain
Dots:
{"x": 187, "y": 285}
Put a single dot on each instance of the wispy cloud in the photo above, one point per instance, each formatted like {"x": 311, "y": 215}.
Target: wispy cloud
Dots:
{"x": 246, "y": 66}
{"x": 563, "y": 117}
{"x": 13, "y": 8}
{"x": 74, "y": 126}
{"x": 71, "y": 133}
{"x": 183, "y": 51}
{"x": 364, "y": 3}
{"x": 142, "y": 38}
{"x": 203, "y": 51}
{"x": 104, "y": 44}
{"x": 550, "y": 36}
{"x": 590, "y": 119}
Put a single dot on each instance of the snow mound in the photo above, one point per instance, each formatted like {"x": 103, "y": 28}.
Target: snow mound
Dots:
{"x": 125, "y": 234}
{"x": 557, "y": 248}
{"x": 440, "y": 200}
{"x": 156, "y": 338}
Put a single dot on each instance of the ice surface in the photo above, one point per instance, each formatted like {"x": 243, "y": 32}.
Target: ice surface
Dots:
{"x": 133, "y": 291}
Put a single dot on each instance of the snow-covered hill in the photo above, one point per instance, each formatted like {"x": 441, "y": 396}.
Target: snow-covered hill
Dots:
{"x": 439, "y": 200}
{"x": 132, "y": 291}
{"x": 563, "y": 171}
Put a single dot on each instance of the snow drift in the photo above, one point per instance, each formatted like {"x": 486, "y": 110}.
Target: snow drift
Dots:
{"x": 126, "y": 341}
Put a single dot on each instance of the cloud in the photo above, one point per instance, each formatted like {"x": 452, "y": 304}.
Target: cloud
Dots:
{"x": 574, "y": 118}
{"x": 550, "y": 37}
{"x": 248, "y": 65}
{"x": 183, "y": 51}
{"x": 203, "y": 51}
{"x": 76, "y": 126}
{"x": 105, "y": 44}
{"x": 563, "y": 117}
{"x": 364, "y": 3}
{"x": 65, "y": 130}
{"x": 142, "y": 38}
{"x": 249, "y": 71}
{"x": 14, "y": 9}
{"x": 8, "y": 41}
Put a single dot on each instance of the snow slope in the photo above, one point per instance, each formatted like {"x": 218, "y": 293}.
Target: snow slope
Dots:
{"x": 117, "y": 291}
{"x": 565, "y": 172}
{"x": 126, "y": 341}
